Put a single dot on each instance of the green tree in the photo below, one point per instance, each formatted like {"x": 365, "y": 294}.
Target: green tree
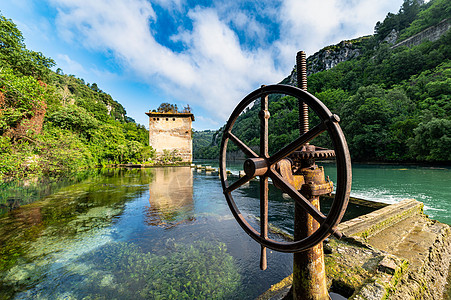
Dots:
{"x": 14, "y": 54}
{"x": 366, "y": 121}
{"x": 432, "y": 140}
{"x": 22, "y": 97}
{"x": 167, "y": 107}
{"x": 75, "y": 118}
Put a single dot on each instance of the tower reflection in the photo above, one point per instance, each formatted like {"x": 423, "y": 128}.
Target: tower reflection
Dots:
{"x": 171, "y": 197}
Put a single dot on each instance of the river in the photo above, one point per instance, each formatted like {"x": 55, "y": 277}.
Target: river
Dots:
{"x": 392, "y": 183}
{"x": 164, "y": 233}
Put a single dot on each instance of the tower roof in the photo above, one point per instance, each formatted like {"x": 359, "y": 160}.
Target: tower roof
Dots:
{"x": 170, "y": 114}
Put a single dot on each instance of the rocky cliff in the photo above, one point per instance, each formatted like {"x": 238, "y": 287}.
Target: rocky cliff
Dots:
{"x": 329, "y": 57}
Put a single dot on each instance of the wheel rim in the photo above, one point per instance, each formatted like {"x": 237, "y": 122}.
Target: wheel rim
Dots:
{"x": 262, "y": 162}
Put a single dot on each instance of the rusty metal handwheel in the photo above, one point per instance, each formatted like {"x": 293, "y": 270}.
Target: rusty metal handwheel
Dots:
{"x": 263, "y": 166}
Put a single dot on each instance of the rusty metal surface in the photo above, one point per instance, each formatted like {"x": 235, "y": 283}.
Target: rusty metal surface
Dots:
{"x": 309, "y": 271}
{"x": 328, "y": 123}
{"x": 312, "y": 152}
{"x": 263, "y": 166}
{"x": 294, "y": 171}
{"x": 315, "y": 182}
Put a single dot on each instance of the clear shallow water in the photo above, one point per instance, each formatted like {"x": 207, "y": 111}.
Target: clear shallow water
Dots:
{"x": 141, "y": 234}
{"x": 163, "y": 232}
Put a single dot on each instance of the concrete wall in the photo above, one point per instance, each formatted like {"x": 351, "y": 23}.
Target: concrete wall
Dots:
{"x": 171, "y": 132}
{"x": 431, "y": 34}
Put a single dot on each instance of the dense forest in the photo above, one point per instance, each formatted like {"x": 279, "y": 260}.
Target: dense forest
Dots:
{"x": 53, "y": 124}
{"x": 394, "y": 102}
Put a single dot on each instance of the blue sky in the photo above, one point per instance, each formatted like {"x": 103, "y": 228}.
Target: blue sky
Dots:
{"x": 208, "y": 54}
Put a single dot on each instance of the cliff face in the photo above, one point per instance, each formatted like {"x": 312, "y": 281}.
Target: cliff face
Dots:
{"x": 329, "y": 57}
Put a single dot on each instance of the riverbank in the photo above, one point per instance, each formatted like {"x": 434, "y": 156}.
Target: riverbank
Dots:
{"x": 15, "y": 192}
{"x": 150, "y": 165}
{"x": 395, "y": 252}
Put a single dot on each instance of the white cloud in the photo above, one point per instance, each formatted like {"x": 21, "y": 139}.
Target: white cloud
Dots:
{"x": 170, "y": 4}
{"x": 310, "y": 25}
{"x": 227, "y": 72}
{"x": 207, "y": 120}
{"x": 214, "y": 70}
{"x": 68, "y": 65}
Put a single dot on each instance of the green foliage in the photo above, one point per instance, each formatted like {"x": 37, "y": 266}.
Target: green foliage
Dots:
{"x": 82, "y": 126}
{"x": 170, "y": 156}
{"x": 433, "y": 13}
{"x": 389, "y": 100}
{"x": 203, "y": 142}
{"x": 406, "y": 15}
{"x": 61, "y": 152}
{"x": 74, "y": 118}
{"x": 432, "y": 141}
{"x": 54, "y": 153}
{"x": 365, "y": 119}
{"x": 167, "y": 107}
{"x": 13, "y": 53}
{"x": 22, "y": 96}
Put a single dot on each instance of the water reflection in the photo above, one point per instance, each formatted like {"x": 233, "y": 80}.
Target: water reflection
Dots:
{"x": 170, "y": 197}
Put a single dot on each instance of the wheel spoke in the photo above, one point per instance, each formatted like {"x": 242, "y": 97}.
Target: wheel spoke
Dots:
{"x": 295, "y": 195}
{"x": 264, "y": 116}
{"x": 297, "y": 143}
{"x": 248, "y": 151}
{"x": 237, "y": 184}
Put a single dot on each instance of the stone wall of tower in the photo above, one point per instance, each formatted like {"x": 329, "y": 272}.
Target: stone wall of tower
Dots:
{"x": 171, "y": 131}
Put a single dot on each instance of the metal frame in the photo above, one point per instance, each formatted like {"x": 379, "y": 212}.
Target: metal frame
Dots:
{"x": 263, "y": 166}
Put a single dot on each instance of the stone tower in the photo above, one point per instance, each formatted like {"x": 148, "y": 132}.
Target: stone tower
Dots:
{"x": 171, "y": 131}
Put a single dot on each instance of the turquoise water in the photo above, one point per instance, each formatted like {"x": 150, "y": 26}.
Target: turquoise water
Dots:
{"x": 393, "y": 183}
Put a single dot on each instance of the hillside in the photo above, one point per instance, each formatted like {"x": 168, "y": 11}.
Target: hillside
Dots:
{"x": 54, "y": 124}
{"x": 203, "y": 140}
{"x": 394, "y": 101}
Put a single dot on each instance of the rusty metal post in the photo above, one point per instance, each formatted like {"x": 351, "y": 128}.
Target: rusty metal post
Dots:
{"x": 309, "y": 275}
{"x": 264, "y": 116}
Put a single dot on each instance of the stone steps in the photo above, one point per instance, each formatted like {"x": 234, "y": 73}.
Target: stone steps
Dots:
{"x": 395, "y": 252}
{"x": 370, "y": 224}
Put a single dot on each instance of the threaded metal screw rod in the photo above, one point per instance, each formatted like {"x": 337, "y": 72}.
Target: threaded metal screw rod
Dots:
{"x": 301, "y": 70}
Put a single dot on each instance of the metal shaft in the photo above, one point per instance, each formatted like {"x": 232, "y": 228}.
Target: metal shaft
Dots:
{"x": 309, "y": 275}
{"x": 264, "y": 116}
